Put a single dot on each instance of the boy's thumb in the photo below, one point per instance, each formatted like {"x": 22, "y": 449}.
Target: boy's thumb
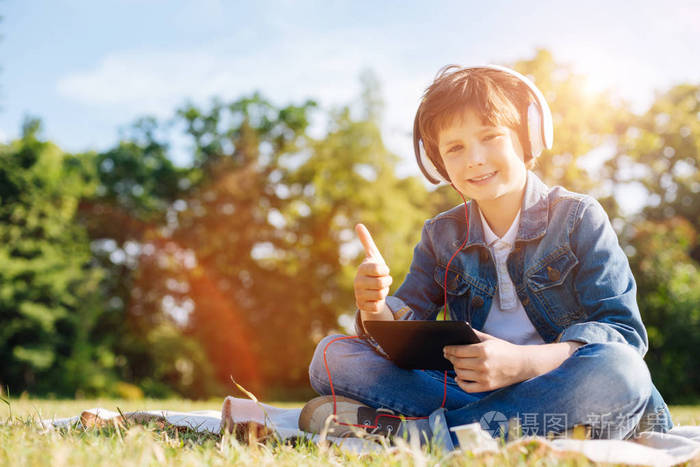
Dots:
{"x": 371, "y": 250}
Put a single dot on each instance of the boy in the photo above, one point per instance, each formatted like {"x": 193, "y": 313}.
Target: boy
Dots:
{"x": 537, "y": 272}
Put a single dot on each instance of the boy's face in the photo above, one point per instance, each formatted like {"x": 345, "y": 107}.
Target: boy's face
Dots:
{"x": 484, "y": 162}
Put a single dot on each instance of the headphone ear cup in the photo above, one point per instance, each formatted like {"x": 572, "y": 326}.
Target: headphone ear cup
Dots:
{"x": 539, "y": 116}
{"x": 425, "y": 165}
{"x": 534, "y": 129}
{"x": 428, "y": 168}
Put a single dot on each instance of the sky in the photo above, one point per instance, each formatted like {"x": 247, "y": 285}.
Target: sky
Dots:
{"x": 89, "y": 68}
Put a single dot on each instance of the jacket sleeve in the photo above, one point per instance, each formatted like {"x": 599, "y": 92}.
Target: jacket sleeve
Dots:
{"x": 419, "y": 291}
{"x": 604, "y": 284}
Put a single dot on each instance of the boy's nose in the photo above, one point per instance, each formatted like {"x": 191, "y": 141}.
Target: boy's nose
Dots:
{"x": 474, "y": 157}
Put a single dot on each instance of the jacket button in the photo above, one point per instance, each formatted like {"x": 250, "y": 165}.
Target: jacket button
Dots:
{"x": 483, "y": 256}
{"x": 452, "y": 283}
{"x": 477, "y": 302}
{"x": 553, "y": 274}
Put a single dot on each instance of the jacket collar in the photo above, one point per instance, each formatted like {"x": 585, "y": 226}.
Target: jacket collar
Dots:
{"x": 534, "y": 214}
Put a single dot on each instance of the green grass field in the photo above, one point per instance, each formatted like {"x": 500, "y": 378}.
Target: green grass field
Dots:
{"x": 24, "y": 443}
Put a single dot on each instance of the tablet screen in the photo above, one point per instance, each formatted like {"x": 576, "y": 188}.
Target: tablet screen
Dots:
{"x": 414, "y": 344}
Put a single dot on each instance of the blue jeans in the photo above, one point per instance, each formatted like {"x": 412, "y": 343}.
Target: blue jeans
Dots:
{"x": 605, "y": 386}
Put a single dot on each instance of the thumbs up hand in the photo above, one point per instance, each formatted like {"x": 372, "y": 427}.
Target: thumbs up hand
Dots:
{"x": 372, "y": 280}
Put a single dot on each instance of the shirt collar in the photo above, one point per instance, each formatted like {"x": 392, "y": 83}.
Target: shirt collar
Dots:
{"x": 533, "y": 214}
{"x": 491, "y": 238}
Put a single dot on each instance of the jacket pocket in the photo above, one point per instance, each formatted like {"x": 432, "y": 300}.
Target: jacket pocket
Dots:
{"x": 456, "y": 283}
{"x": 458, "y": 291}
{"x": 553, "y": 270}
{"x": 551, "y": 283}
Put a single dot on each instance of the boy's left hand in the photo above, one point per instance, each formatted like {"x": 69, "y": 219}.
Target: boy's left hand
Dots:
{"x": 491, "y": 364}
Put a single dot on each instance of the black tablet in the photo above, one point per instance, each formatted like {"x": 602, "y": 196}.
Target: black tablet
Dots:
{"x": 414, "y": 344}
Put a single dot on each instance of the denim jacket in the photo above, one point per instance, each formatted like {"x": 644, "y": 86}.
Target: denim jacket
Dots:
{"x": 568, "y": 268}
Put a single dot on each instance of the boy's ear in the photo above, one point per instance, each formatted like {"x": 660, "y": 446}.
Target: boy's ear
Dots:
{"x": 524, "y": 143}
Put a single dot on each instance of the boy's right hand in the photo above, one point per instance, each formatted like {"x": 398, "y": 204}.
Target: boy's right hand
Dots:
{"x": 372, "y": 280}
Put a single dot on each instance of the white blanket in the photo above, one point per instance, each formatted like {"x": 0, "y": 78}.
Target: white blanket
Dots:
{"x": 681, "y": 444}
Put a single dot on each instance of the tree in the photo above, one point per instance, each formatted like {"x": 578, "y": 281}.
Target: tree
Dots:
{"x": 49, "y": 298}
{"x": 246, "y": 255}
{"x": 667, "y": 279}
{"x": 270, "y": 224}
{"x": 583, "y": 123}
{"x": 660, "y": 151}
{"x": 130, "y": 218}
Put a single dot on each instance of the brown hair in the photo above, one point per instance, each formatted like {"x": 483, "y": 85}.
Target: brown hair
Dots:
{"x": 500, "y": 98}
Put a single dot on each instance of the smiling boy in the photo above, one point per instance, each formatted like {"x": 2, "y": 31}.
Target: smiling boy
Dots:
{"x": 537, "y": 271}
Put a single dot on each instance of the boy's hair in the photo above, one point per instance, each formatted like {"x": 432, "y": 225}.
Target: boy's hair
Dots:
{"x": 500, "y": 98}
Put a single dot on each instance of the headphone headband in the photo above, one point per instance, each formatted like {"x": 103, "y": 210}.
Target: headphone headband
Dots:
{"x": 539, "y": 125}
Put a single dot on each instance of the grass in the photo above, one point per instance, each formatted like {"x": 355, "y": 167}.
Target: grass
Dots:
{"x": 24, "y": 442}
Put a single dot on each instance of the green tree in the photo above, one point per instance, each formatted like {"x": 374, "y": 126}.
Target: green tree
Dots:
{"x": 49, "y": 300}
{"x": 584, "y": 121}
{"x": 228, "y": 222}
{"x": 659, "y": 151}
{"x": 350, "y": 177}
{"x": 667, "y": 279}
{"x": 130, "y": 219}
{"x": 271, "y": 225}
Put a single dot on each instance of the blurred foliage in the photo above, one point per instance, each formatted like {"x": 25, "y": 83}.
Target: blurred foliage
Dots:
{"x": 49, "y": 297}
{"x": 668, "y": 278}
{"x": 583, "y": 122}
{"x": 660, "y": 152}
{"x": 271, "y": 227}
{"x": 126, "y": 275}
{"x": 130, "y": 218}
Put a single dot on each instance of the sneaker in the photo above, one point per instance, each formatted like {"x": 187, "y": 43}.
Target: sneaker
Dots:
{"x": 315, "y": 415}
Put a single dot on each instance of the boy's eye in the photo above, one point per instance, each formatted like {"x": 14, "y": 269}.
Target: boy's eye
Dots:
{"x": 454, "y": 148}
{"x": 491, "y": 136}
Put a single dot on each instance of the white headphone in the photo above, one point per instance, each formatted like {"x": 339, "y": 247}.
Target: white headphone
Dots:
{"x": 539, "y": 126}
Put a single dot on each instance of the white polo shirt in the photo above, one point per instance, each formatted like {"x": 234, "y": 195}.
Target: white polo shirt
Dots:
{"x": 507, "y": 319}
